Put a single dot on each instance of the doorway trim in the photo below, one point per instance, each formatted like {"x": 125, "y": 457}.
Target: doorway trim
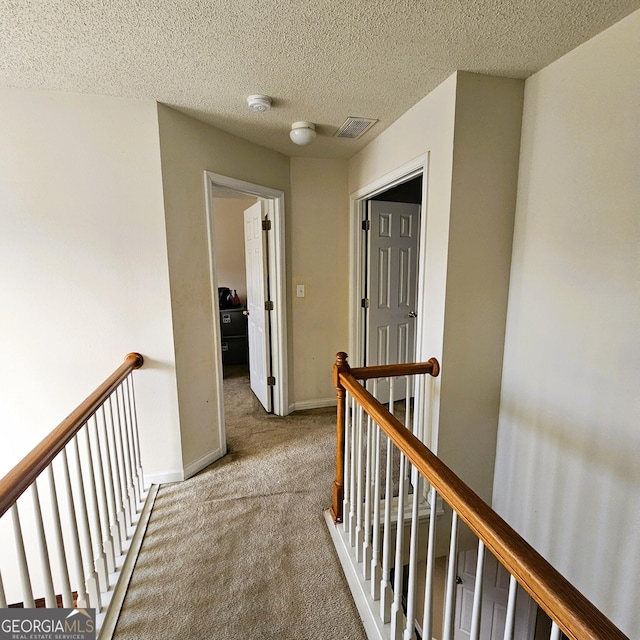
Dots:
{"x": 357, "y": 250}
{"x": 277, "y": 282}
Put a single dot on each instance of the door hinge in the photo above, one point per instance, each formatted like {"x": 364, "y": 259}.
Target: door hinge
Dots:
{"x": 268, "y": 305}
{"x": 266, "y": 225}
{"x": 365, "y": 303}
{"x": 366, "y": 225}
{"x": 271, "y": 381}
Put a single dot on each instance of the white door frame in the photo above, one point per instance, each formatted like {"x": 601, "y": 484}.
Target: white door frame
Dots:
{"x": 277, "y": 282}
{"x": 357, "y": 212}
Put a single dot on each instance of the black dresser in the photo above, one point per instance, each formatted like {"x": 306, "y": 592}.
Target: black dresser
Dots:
{"x": 233, "y": 329}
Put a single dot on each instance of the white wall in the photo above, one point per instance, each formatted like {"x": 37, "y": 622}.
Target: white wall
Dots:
{"x": 318, "y": 229}
{"x": 567, "y": 472}
{"x": 83, "y": 263}
{"x": 228, "y": 221}
{"x": 83, "y": 272}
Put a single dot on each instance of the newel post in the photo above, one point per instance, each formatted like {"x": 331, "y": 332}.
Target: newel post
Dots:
{"x": 340, "y": 366}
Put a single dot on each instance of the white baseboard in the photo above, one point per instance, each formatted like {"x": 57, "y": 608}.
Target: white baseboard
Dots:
{"x": 167, "y": 477}
{"x": 198, "y": 465}
{"x": 367, "y": 608}
{"x": 114, "y": 598}
{"x": 313, "y": 404}
{"x": 163, "y": 477}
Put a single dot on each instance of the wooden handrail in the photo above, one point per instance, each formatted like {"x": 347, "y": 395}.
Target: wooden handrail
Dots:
{"x": 573, "y": 613}
{"x": 22, "y": 476}
{"x": 431, "y": 366}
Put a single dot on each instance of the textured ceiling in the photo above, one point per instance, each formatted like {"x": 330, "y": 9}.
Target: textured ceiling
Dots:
{"x": 321, "y": 60}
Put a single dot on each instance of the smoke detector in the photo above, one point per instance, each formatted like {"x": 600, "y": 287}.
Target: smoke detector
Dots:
{"x": 259, "y": 103}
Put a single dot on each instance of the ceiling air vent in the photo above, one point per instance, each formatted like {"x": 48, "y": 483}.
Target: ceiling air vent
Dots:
{"x": 354, "y": 127}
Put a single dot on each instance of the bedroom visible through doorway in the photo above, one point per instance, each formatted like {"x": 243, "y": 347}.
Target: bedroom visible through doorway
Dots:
{"x": 227, "y": 201}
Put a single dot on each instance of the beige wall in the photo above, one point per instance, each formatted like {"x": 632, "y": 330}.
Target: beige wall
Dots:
{"x": 318, "y": 232}
{"x": 488, "y": 121}
{"x": 469, "y": 129}
{"x": 229, "y": 243}
{"x": 83, "y": 262}
{"x": 567, "y": 472}
{"x": 188, "y": 148}
{"x": 426, "y": 129}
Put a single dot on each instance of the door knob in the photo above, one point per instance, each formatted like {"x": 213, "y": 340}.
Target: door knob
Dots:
{"x": 413, "y": 314}
{"x": 245, "y": 312}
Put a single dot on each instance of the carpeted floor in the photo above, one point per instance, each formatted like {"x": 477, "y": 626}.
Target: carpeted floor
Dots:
{"x": 241, "y": 551}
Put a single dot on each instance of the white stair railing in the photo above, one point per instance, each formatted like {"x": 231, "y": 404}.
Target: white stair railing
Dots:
{"x": 397, "y": 508}
{"x": 90, "y": 471}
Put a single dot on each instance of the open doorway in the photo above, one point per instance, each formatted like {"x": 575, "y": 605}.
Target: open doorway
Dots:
{"x": 227, "y": 201}
{"x": 390, "y": 272}
{"x": 231, "y": 269}
{"x": 384, "y": 272}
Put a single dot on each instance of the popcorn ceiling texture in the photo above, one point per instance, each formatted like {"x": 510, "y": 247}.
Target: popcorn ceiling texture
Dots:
{"x": 321, "y": 60}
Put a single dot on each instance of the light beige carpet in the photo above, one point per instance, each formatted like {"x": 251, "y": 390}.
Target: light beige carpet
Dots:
{"x": 241, "y": 551}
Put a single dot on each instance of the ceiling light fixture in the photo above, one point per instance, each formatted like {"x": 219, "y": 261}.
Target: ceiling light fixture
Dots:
{"x": 259, "y": 103}
{"x": 303, "y": 133}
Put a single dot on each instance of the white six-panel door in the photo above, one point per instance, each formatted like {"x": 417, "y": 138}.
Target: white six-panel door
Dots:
{"x": 392, "y": 278}
{"x": 495, "y": 593}
{"x": 258, "y": 319}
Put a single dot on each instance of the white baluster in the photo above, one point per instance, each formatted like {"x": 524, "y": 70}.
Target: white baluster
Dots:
{"x": 417, "y": 398}
{"x": 346, "y": 480}
{"x": 397, "y": 615}
{"x": 413, "y": 559}
{"x": 400, "y": 517}
{"x": 58, "y": 544}
{"x": 375, "y": 557}
{"x": 407, "y": 403}
{"x": 366, "y": 549}
{"x": 90, "y": 570}
{"x": 122, "y": 469}
{"x": 3, "y": 597}
{"x": 76, "y": 551}
{"x": 450, "y": 589}
{"x": 429, "y": 427}
{"x": 103, "y": 510}
{"x": 392, "y": 384}
{"x": 511, "y": 609}
{"x": 136, "y": 434}
{"x": 354, "y": 472}
{"x": 477, "y": 594}
{"x": 128, "y": 422}
{"x": 427, "y": 619}
{"x": 114, "y": 461}
{"x": 359, "y": 540}
{"x": 386, "y": 594}
{"x": 555, "y": 632}
{"x": 126, "y": 454}
{"x": 93, "y": 511}
{"x": 45, "y": 564}
{"x": 420, "y": 421}
{"x": 114, "y": 529}
{"x": 23, "y": 567}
